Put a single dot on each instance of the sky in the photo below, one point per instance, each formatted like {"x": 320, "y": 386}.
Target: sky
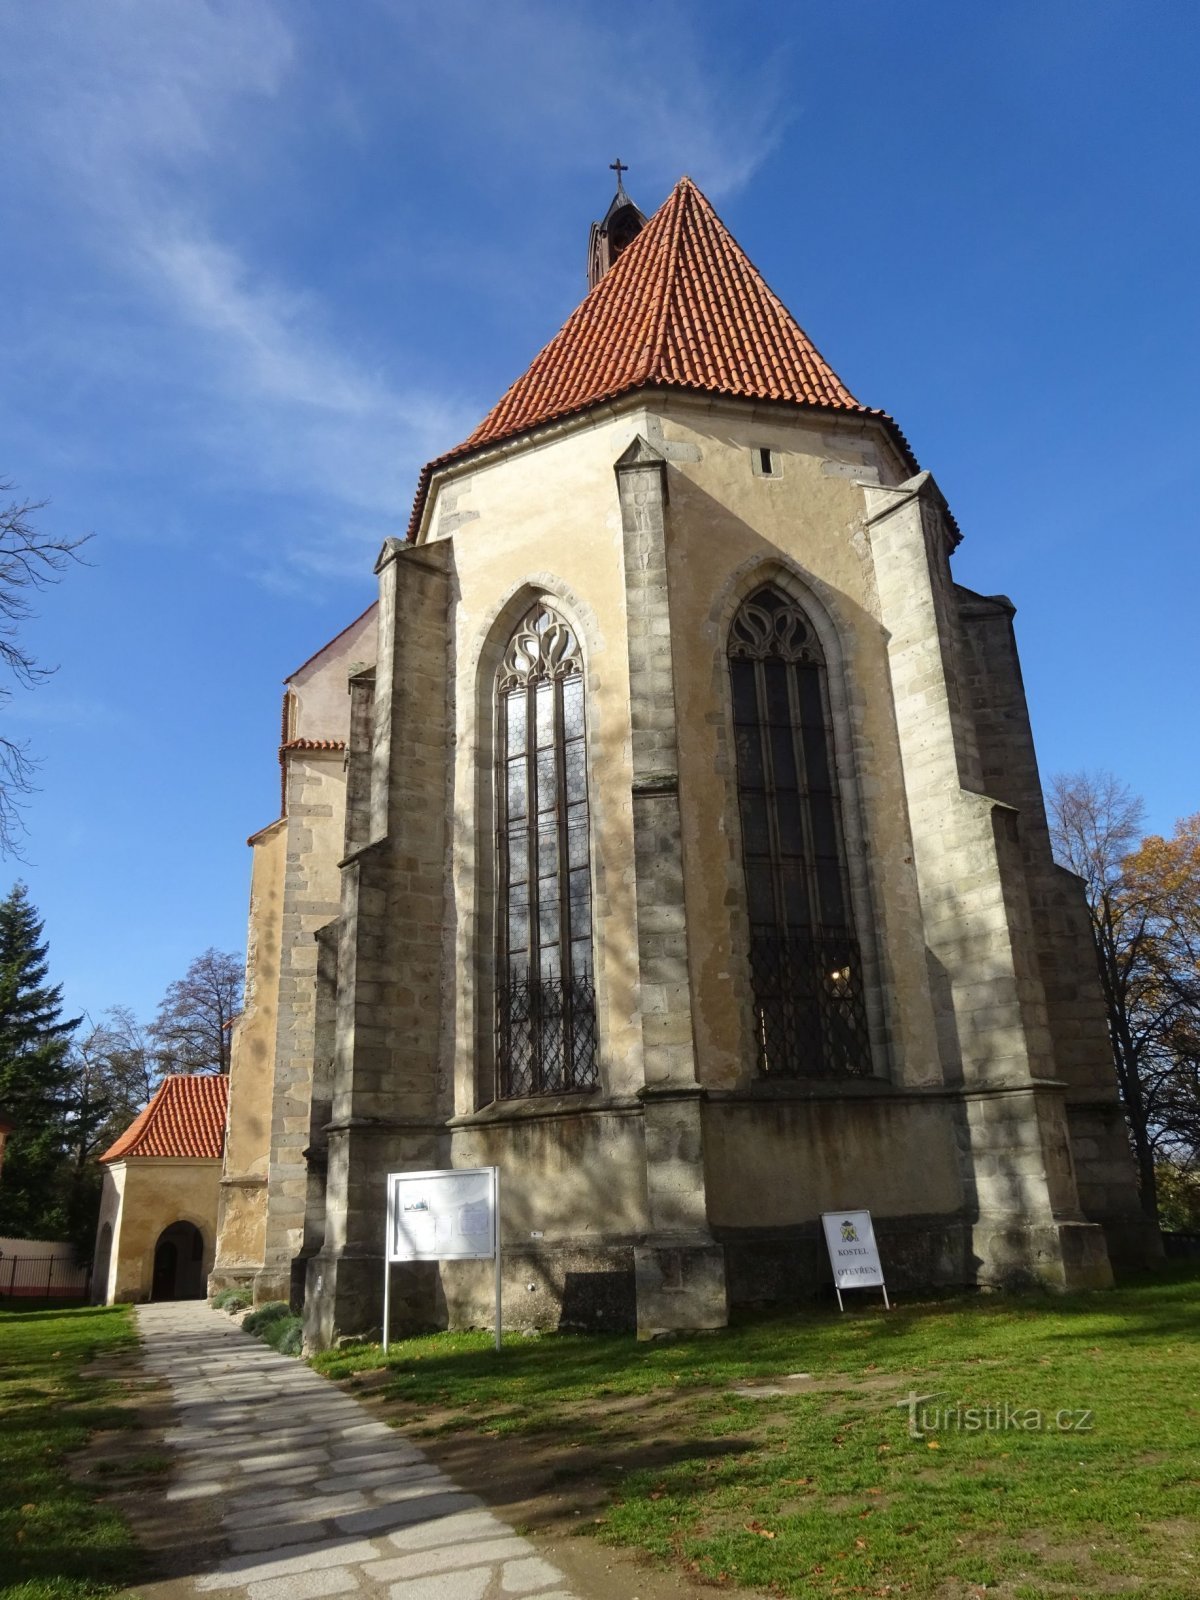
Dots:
{"x": 262, "y": 259}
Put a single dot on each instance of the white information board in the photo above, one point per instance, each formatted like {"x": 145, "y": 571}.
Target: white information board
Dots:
{"x": 850, "y": 1239}
{"x": 442, "y": 1215}
{"x": 448, "y": 1214}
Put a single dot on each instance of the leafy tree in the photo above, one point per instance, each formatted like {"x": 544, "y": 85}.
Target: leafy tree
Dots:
{"x": 191, "y": 1032}
{"x": 35, "y": 1076}
{"x": 1144, "y": 900}
{"x": 1178, "y": 1198}
{"x": 29, "y": 560}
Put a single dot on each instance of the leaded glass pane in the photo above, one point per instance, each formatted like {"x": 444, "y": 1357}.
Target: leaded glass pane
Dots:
{"x": 516, "y": 790}
{"x": 576, "y": 773}
{"x": 789, "y": 814}
{"x": 816, "y": 759}
{"x": 572, "y": 695}
{"x": 775, "y": 698}
{"x": 547, "y": 852}
{"x": 748, "y": 741}
{"x": 545, "y": 716}
{"x": 824, "y": 829}
{"x": 745, "y": 692}
{"x": 577, "y": 837}
{"x": 760, "y": 886}
{"x": 783, "y": 758}
{"x": 547, "y": 781}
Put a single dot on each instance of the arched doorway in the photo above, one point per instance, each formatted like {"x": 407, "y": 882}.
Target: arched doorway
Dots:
{"x": 179, "y": 1263}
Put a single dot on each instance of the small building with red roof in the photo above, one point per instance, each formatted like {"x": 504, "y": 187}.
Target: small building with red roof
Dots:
{"x": 156, "y": 1234}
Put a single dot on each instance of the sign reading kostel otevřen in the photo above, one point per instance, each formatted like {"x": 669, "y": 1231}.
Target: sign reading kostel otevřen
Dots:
{"x": 853, "y": 1252}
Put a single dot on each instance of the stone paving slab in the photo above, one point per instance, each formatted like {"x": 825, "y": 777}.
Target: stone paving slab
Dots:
{"x": 314, "y": 1499}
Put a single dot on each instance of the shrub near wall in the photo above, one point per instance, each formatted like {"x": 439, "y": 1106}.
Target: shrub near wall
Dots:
{"x": 276, "y": 1325}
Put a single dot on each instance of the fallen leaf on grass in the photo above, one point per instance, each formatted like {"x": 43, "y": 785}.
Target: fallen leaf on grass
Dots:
{"x": 757, "y": 1527}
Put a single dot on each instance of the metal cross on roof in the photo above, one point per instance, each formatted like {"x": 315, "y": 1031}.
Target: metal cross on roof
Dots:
{"x": 618, "y": 167}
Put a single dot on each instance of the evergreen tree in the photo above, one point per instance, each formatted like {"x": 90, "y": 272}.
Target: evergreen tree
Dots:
{"x": 35, "y": 1077}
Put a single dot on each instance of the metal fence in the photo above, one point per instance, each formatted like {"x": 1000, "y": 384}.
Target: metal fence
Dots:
{"x": 42, "y": 1278}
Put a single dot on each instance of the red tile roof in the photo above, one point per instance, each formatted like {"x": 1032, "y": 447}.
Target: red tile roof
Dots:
{"x": 682, "y": 308}
{"x": 186, "y": 1118}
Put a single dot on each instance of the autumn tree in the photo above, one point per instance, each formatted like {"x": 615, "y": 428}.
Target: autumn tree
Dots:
{"x": 35, "y": 1076}
{"x": 30, "y": 559}
{"x": 1163, "y": 881}
{"x": 1144, "y": 901}
{"x": 191, "y": 1032}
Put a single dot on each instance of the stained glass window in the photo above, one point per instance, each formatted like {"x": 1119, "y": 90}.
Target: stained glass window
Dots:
{"x": 545, "y": 991}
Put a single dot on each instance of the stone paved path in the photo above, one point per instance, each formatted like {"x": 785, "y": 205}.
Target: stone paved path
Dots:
{"x": 315, "y": 1498}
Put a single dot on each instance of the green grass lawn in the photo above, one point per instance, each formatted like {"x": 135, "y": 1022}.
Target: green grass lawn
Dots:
{"x": 822, "y": 1489}
{"x": 58, "y": 1541}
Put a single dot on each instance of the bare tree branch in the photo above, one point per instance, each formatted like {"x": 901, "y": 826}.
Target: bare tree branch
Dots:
{"x": 29, "y": 560}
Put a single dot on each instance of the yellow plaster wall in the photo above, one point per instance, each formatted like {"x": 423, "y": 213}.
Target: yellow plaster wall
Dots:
{"x": 148, "y": 1194}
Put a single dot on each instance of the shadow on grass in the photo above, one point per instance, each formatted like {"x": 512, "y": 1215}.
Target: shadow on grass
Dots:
{"x": 59, "y": 1542}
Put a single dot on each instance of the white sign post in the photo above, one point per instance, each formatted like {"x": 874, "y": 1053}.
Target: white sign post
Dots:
{"x": 444, "y": 1215}
{"x": 853, "y": 1252}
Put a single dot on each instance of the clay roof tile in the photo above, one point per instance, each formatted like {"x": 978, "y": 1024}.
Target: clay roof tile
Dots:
{"x": 185, "y": 1118}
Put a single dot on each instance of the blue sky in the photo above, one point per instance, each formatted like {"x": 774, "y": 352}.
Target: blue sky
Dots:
{"x": 261, "y": 260}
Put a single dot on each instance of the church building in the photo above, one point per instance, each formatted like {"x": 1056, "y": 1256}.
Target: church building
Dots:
{"x": 670, "y": 836}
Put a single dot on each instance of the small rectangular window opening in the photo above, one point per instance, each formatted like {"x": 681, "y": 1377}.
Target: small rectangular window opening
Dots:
{"x": 765, "y": 462}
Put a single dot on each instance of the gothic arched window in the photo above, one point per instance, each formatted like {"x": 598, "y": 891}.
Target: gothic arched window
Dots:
{"x": 545, "y": 993}
{"x": 805, "y": 969}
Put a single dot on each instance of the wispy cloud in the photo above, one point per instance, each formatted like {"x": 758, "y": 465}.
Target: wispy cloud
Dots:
{"x": 558, "y": 85}
{"x": 165, "y": 125}
{"x": 137, "y": 113}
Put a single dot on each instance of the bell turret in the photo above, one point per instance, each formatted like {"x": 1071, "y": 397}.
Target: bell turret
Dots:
{"x": 621, "y": 225}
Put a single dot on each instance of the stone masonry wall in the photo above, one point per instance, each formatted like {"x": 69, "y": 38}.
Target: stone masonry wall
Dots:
{"x": 389, "y": 1101}
{"x": 316, "y": 789}
{"x": 978, "y": 923}
{"x": 680, "y": 1272}
{"x": 1061, "y": 933}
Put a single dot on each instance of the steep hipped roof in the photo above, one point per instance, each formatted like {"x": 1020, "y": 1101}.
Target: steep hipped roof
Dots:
{"x": 683, "y": 308}
{"x": 185, "y": 1118}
